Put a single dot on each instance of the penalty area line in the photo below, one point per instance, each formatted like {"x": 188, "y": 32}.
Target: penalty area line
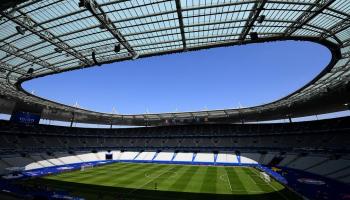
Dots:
{"x": 228, "y": 178}
{"x": 165, "y": 171}
{"x": 273, "y": 187}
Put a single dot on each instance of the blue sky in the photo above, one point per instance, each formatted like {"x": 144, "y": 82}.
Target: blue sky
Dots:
{"x": 217, "y": 78}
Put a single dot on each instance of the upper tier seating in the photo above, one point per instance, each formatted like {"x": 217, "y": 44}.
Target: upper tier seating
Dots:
{"x": 332, "y": 167}
{"x": 330, "y": 134}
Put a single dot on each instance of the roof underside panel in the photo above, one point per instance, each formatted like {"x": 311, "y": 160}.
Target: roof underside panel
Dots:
{"x": 53, "y": 36}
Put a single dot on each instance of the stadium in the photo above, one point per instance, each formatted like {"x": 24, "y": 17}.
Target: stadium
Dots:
{"x": 254, "y": 152}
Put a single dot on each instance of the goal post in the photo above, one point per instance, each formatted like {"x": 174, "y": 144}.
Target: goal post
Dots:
{"x": 265, "y": 177}
{"x": 86, "y": 166}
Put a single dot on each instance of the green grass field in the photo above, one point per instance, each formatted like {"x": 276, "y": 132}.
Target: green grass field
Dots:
{"x": 159, "y": 181}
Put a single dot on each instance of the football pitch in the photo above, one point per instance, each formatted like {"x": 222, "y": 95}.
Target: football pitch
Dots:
{"x": 160, "y": 181}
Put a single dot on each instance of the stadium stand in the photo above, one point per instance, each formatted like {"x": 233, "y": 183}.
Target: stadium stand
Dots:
{"x": 250, "y": 158}
{"x": 329, "y": 167}
{"x": 146, "y": 156}
{"x": 290, "y": 138}
{"x": 183, "y": 157}
{"x": 67, "y": 159}
{"x": 291, "y": 148}
{"x": 52, "y": 159}
{"x": 101, "y": 155}
{"x": 204, "y": 157}
{"x": 266, "y": 158}
{"x": 116, "y": 155}
{"x": 87, "y": 157}
{"x": 247, "y": 160}
{"x": 39, "y": 38}
{"x": 128, "y": 155}
{"x": 65, "y": 145}
{"x": 226, "y": 158}
{"x": 164, "y": 156}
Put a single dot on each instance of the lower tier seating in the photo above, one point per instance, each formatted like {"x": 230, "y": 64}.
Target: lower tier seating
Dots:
{"x": 325, "y": 165}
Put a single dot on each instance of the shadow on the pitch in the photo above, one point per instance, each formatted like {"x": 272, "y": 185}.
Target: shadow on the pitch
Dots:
{"x": 98, "y": 192}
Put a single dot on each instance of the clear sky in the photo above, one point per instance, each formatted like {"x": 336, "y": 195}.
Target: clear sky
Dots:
{"x": 217, "y": 78}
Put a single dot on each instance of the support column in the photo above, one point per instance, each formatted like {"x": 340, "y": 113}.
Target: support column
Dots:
{"x": 72, "y": 120}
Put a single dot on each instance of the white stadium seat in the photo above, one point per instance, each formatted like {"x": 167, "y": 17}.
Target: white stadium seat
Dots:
{"x": 183, "y": 157}
{"x": 226, "y": 158}
{"x": 164, "y": 156}
{"x": 145, "y": 156}
{"x": 204, "y": 157}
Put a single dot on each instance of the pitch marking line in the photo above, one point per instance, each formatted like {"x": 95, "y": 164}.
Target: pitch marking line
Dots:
{"x": 225, "y": 178}
{"x": 228, "y": 178}
{"x": 165, "y": 171}
{"x": 251, "y": 179}
{"x": 273, "y": 187}
{"x": 253, "y": 175}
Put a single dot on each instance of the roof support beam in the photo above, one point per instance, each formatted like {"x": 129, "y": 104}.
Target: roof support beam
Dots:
{"x": 29, "y": 24}
{"x": 103, "y": 48}
{"x": 106, "y": 23}
{"x": 10, "y": 49}
{"x": 181, "y": 23}
{"x": 253, "y": 16}
{"x": 10, "y": 4}
{"x": 151, "y": 4}
{"x": 346, "y": 43}
{"x": 11, "y": 68}
{"x": 346, "y": 55}
{"x": 308, "y": 15}
{"x": 338, "y": 27}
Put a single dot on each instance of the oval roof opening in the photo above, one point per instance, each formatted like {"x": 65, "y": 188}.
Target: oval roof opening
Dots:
{"x": 227, "y": 77}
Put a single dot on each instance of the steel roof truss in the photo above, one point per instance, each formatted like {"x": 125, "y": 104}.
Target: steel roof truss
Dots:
{"x": 106, "y": 23}
{"x": 308, "y": 15}
{"x": 10, "y": 49}
{"x": 28, "y": 23}
{"x": 181, "y": 23}
{"x": 253, "y": 16}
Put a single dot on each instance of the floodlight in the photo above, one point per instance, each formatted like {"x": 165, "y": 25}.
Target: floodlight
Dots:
{"x": 30, "y": 71}
{"x": 58, "y": 50}
{"x": 94, "y": 58}
{"x": 254, "y": 36}
{"x": 81, "y": 3}
{"x": 261, "y": 19}
{"x": 20, "y": 30}
{"x": 117, "y": 48}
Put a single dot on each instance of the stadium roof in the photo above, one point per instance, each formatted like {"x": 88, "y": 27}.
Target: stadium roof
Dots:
{"x": 39, "y": 38}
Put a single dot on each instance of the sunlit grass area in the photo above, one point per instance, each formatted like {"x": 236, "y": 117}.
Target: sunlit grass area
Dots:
{"x": 160, "y": 181}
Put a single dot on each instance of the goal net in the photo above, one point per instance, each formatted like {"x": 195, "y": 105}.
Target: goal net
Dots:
{"x": 264, "y": 176}
{"x": 87, "y": 166}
